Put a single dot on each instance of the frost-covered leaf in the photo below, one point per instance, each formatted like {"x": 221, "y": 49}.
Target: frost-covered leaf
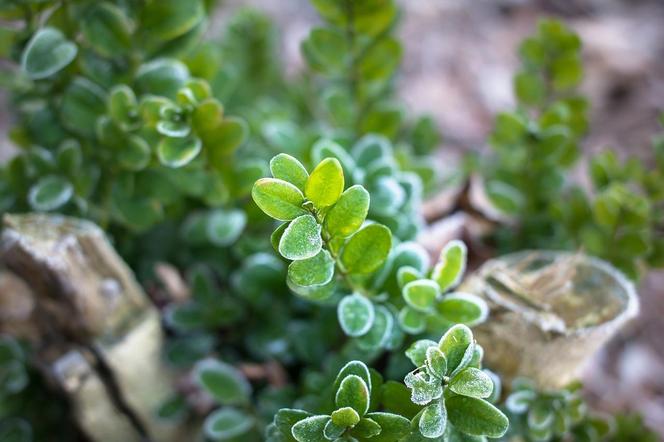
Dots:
{"x": 476, "y": 416}
{"x": 47, "y": 52}
{"x": 412, "y": 321}
{"x": 406, "y": 274}
{"x": 424, "y": 389}
{"x": 358, "y": 368}
{"x": 356, "y": 314}
{"x": 348, "y": 214}
{"x": 366, "y": 428}
{"x": 287, "y": 168}
{"x": 433, "y": 420}
{"x": 454, "y": 344}
{"x": 345, "y": 417}
{"x": 178, "y": 152}
{"x": 472, "y": 382}
{"x": 224, "y": 383}
{"x": 393, "y": 427}
{"x": 310, "y": 429}
{"x": 367, "y": 249}
{"x": 463, "y": 308}
{"x": 417, "y": 352}
{"x": 421, "y": 294}
{"x": 301, "y": 239}
{"x": 50, "y": 193}
{"x": 519, "y": 401}
{"x": 435, "y": 362}
{"x": 278, "y": 199}
{"x": 317, "y": 270}
{"x": 451, "y": 265}
{"x": 225, "y": 226}
{"x": 380, "y": 331}
{"x": 353, "y": 392}
{"x": 227, "y": 423}
{"x": 325, "y": 184}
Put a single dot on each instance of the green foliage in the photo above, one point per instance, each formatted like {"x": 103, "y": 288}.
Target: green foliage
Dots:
{"x": 337, "y": 256}
{"x": 534, "y": 150}
{"x": 553, "y": 415}
{"x": 439, "y": 392}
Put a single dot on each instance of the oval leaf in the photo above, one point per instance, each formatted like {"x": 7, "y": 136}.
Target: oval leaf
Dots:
{"x": 316, "y": 270}
{"x": 472, "y": 382}
{"x": 348, "y": 214}
{"x": 287, "y": 168}
{"x": 356, "y": 315}
{"x": 451, "y": 266}
{"x": 178, "y": 152}
{"x": 476, "y": 416}
{"x": 222, "y": 381}
{"x": 433, "y": 420}
{"x": 367, "y": 249}
{"x": 463, "y": 308}
{"x": 354, "y": 393}
{"x": 420, "y": 294}
{"x": 325, "y": 184}
{"x": 454, "y": 345}
{"x": 47, "y": 53}
{"x": 301, "y": 239}
{"x": 50, "y": 193}
{"x": 227, "y": 423}
{"x": 278, "y": 199}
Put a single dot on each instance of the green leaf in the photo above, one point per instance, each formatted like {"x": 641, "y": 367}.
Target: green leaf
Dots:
{"x": 366, "y": 428}
{"x": 433, "y": 420}
{"x": 223, "y": 382}
{"x": 167, "y": 19}
{"x": 472, "y": 382}
{"x": 519, "y": 401}
{"x": 436, "y": 363}
{"x": 455, "y": 344}
{"x": 278, "y": 199}
{"x": 122, "y": 105}
{"x": 380, "y": 330}
{"x": 421, "y": 294}
{"x": 353, "y": 392}
{"x": 47, "y": 52}
{"x": 325, "y": 49}
{"x": 325, "y": 184}
{"x": 406, "y": 274}
{"x": 412, "y": 321}
{"x": 345, "y": 417}
{"x": 287, "y": 168}
{"x": 82, "y": 103}
{"x": 310, "y": 429}
{"x": 107, "y": 29}
{"x": 227, "y": 423}
{"x": 424, "y": 388}
{"x": 506, "y": 197}
{"x": 287, "y": 417}
{"x": 162, "y": 77}
{"x": 393, "y": 427}
{"x": 178, "y": 152}
{"x": 50, "y": 193}
{"x": 301, "y": 239}
{"x": 451, "y": 265}
{"x": 463, "y": 308}
{"x": 417, "y": 352}
{"x": 380, "y": 60}
{"x": 224, "y": 227}
{"x": 317, "y": 270}
{"x": 356, "y": 314}
{"x": 358, "y": 368}
{"x": 348, "y": 214}
{"x": 367, "y": 249}
{"x": 224, "y": 139}
{"x": 529, "y": 88}
{"x": 332, "y": 431}
{"x": 476, "y": 416}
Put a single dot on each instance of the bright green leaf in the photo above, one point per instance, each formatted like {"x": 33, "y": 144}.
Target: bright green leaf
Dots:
{"x": 348, "y": 214}
{"x": 421, "y": 294}
{"x": 317, "y": 270}
{"x": 278, "y": 199}
{"x": 178, "y": 152}
{"x": 472, "y": 382}
{"x": 287, "y": 168}
{"x": 451, "y": 265}
{"x": 476, "y": 416}
{"x": 325, "y": 184}
{"x": 367, "y": 249}
{"x": 353, "y": 392}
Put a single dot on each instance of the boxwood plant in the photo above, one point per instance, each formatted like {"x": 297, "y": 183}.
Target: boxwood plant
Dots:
{"x": 127, "y": 113}
{"x": 535, "y": 147}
